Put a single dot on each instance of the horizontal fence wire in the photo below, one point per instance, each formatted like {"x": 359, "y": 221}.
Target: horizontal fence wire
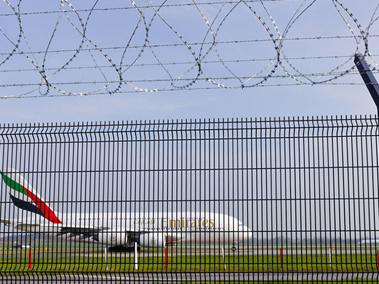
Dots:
{"x": 219, "y": 200}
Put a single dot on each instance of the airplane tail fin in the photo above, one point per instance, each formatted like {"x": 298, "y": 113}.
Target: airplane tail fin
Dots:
{"x": 25, "y": 197}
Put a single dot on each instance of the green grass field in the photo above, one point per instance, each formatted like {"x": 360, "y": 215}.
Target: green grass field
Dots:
{"x": 74, "y": 260}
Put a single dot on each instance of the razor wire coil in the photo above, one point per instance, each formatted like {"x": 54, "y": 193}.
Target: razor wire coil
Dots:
{"x": 73, "y": 58}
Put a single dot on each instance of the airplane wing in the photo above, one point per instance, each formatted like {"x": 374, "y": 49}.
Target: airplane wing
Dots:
{"x": 5, "y": 222}
{"x": 143, "y": 237}
{"x": 83, "y": 233}
{"x": 59, "y": 231}
{"x": 93, "y": 232}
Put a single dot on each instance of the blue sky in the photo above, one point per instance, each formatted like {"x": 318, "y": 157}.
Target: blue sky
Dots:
{"x": 317, "y": 40}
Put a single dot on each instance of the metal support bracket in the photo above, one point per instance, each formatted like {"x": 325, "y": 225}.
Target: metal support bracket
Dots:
{"x": 368, "y": 78}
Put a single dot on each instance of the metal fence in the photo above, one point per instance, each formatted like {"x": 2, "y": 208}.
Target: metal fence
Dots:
{"x": 238, "y": 200}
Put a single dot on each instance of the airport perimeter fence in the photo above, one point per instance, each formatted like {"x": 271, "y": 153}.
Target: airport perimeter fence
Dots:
{"x": 241, "y": 200}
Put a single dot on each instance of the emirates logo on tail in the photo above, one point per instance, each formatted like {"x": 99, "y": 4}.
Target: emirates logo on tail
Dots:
{"x": 24, "y": 197}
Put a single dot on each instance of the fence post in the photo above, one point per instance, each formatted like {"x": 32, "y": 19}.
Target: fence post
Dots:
{"x": 223, "y": 257}
{"x": 30, "y": 258}
{"x": 135, "y": 256}
{"x": 106, "y": 258}
{"x": 165, "y": 257}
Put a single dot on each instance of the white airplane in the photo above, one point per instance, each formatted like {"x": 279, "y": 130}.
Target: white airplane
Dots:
{"x": 369, "y": 241}
{"x": 119, "y": 230}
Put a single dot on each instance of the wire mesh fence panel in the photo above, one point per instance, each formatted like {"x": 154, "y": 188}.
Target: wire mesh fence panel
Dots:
{"x": 229, "y": 200}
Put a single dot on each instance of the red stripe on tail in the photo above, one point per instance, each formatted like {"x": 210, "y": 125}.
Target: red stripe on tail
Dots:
{"x": 47, "y": 212}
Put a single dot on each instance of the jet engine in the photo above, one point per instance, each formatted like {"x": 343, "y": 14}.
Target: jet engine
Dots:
{"x": 152, "y": 240}
{"x": 113, "y": 239}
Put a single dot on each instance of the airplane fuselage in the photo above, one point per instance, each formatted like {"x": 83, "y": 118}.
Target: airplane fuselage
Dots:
{"x": 119, "y": 228}
{"x": 155, "y": 229}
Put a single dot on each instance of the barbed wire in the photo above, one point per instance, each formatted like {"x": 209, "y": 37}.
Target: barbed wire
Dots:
{"x": 70, "y": 48}
{"x": 189, "y": 62}
{"x": 145, "y": 7}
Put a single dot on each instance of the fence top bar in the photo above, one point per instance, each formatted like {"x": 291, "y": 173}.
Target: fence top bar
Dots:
{"x": 189, "y": 124}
